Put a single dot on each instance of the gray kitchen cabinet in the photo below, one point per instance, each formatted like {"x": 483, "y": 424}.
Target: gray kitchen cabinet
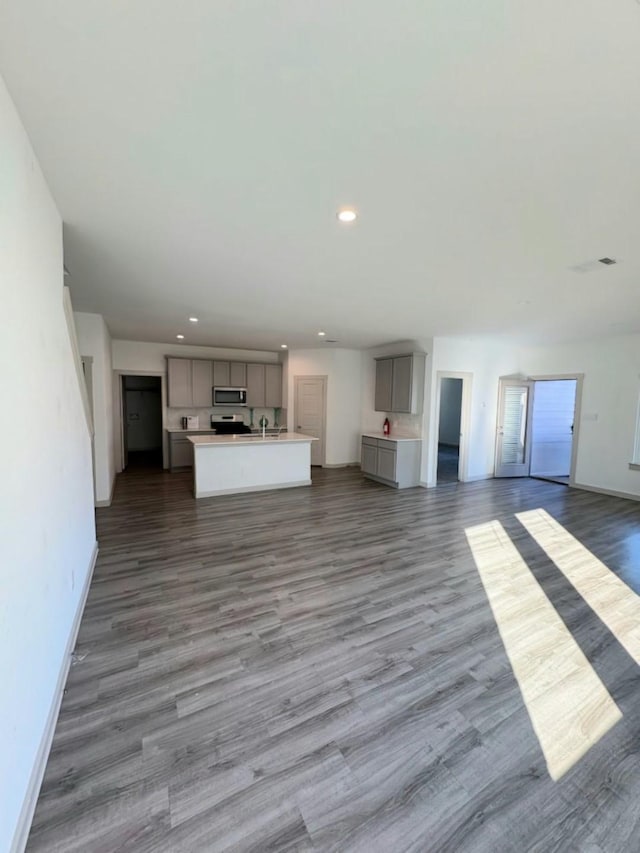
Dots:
{"x": 393, "y": 463}
{"x": 179, "y": 394}
{"x": 369, "y": 457}
{"x": 181, "y": 449}
{"x": 256, "y": 386}
{"x": 400, "y": 383}
{"x": 180, "y": 453}
{"x": 384, "y": 376}
{"x": 201, "y": 381}
{"x": 273, "y": 386}
{"x": 237, "y": 374}
{"x": 386, "y": 465}
{"x": 221, "y": 374}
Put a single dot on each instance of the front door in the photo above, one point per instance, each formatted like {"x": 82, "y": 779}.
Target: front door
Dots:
{"x": 513, "y": 445}
{"x": 310, "y": 394}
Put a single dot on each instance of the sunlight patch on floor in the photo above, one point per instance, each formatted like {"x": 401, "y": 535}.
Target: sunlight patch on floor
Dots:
{"x": 610, "y": 598}
{"x": 570, "y": 708}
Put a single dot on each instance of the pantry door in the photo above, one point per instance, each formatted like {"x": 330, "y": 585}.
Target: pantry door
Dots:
{"x": 513, "y": 441}
{"x": 310, "y": 398}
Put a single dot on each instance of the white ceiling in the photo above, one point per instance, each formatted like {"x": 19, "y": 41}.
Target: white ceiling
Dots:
{"x": 198, "y": 152}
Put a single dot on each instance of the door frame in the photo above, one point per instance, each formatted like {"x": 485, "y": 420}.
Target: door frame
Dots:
{"x": 87, "y": 370}
{"x": 323, "y": 443}
{"x": 118, "y": 414}
{"x": 465, "y": 421}
{"x": 579, "y": 378}
{"x": 525, "y": 465}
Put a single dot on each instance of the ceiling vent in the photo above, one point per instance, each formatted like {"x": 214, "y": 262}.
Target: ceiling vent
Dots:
{"x": 592, "y": 266}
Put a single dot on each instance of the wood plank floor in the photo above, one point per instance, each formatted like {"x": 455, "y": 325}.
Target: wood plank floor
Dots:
{"x": 320, "y": 669}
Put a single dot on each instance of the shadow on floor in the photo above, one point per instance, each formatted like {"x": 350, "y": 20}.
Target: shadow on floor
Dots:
{"x": 144, "y": 460}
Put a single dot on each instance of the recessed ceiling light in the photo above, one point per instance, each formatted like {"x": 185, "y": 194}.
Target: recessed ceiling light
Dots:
{"x": 347, "y": 214}
{"x": 180, "y": 337}
{"x": 321, "y": 334}
{"x": 283, "y": 346}
{"x": 193, "y": 319}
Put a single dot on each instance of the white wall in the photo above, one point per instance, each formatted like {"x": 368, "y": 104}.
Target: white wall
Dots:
{"x": 611, "y": 368}
{"x": 94, "y": 340}
{"x": 141, "y": 357}
{"x": 450, "y": 403}
{"x": 47, "y": 533}
{"x": 344, "y": 383}
{"x": 487, "y": 360}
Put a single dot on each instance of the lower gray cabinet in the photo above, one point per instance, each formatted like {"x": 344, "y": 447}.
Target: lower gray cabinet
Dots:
{"x": 394, "y": 463}
{"x": 180, "y": 454}
{"x": 369, "y": 457}
{"x": 181, "y": 449}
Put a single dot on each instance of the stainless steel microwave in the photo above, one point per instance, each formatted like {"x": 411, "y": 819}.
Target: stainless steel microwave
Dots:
{"x": 229, "y": 396}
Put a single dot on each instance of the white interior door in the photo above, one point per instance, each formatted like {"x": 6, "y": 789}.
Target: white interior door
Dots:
{"x": 310, "y": 396}
{"x": 513, "y": 445}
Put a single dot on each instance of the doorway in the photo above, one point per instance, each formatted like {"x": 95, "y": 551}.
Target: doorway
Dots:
{"x": 310, "y": 409}
{"x": 87, "y": 372}
{"x": 142, "y": 422}
{"x": 449, "y": 430}
{"x": 537, "y": 430}
{"x": 552, "y": 428}
{"x": 453, "y": 416}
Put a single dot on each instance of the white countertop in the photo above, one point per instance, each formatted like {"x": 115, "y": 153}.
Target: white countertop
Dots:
{"x": 237, "y": 440}
{"x": 270, "y": 430}
{"x": 395, "y": 436}
{"x": 199, "y": 429}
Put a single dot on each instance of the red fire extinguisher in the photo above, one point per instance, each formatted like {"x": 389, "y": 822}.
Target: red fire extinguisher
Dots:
{"x": 386, "y": 427}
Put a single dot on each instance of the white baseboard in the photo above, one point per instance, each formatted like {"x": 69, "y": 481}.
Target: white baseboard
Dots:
{"x": 629, "y": 496}
{"x": 270, "y": 487}
{"x": 110, "y": 498}
{"x": 37, "y": 774}
{"x": 343, "y": 465}
{"x": 474, "y": 479}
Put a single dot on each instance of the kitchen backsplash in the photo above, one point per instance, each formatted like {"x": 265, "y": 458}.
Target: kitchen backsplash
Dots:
{"x": 403, "y": 424}
{"x": 174, "y": 416}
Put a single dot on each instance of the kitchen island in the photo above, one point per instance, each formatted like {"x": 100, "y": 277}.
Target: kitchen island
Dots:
{"x": 230, "y": 464}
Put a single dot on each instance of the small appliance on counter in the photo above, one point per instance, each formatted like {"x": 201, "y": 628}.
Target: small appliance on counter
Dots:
{"x": 193, "y": 422}
{"x": 229, "y": 425}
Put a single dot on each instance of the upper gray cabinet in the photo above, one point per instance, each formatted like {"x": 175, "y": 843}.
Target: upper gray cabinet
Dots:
{"x": 264, "y": 386}
{"x": 237, "y": 374}
{"x": 273, "y": 386}
{"x": 201, "y": 383}
{"x": 190, "y": 382}
{"x": 221, "y": 374}
{"x": 229, "y": 374}
{"x": 384, "y": 377}
{"x": 400, "y": 383}
{"x": 255, "y": 386}
{"x": 179, "y": 393}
